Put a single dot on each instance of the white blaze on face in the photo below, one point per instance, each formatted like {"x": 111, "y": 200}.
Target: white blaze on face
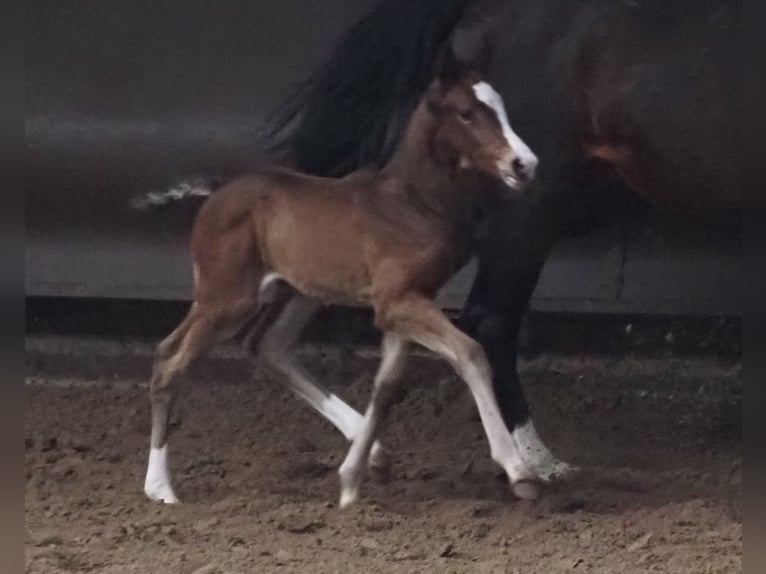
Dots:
{"x": 489, "y": 96}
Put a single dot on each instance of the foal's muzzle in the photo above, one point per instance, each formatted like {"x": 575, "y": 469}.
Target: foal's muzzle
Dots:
{"x": 519, "y": 172}
{"x": 524, "y": 170}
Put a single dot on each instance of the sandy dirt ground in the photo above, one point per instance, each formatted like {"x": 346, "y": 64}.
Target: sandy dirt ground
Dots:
{"x": 658, "y": 441}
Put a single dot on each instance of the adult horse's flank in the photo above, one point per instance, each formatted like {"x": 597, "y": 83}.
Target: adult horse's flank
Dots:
{"x": 385, "y": 238}
{"x": 607, "y": 92}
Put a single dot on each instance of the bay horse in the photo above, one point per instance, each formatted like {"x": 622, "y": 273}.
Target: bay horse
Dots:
{"x": 387, "y": 238}
{"x": 627, "y": 103}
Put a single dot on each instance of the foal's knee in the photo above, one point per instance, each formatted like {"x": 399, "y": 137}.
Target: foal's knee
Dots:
{"x": 474, "y": 353}
{"x": 473, "y": 357}
{"x": 384, "y": 318}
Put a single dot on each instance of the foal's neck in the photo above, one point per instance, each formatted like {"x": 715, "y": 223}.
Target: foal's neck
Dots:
{"x": 432, "y": 186}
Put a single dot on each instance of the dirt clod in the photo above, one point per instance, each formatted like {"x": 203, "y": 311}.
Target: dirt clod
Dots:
{"x": 368, "y": 546}
{"x": 206, "y": 525}
{"x": 282, "y": 557}
{"x": 446, "y": 550}
{"x": 641, "y": 544}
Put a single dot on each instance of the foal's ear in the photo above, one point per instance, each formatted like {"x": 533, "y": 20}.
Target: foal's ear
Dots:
{"x": 448, "y": 72}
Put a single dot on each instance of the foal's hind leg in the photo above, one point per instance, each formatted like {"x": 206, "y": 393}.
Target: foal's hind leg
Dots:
{"x": 275, "y": 349}
{"x": 391, "y": 365}
{"x": 196, "y": 333}
{"x": 169, "y": 345}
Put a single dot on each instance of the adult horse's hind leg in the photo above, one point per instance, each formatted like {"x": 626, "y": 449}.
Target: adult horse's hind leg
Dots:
{"x": 275, "y": 349}
{"x": 201, "y": 327}
{"x": 510, "y": 261}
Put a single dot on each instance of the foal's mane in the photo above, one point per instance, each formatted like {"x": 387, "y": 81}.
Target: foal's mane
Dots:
{"x": 351, "y": 113}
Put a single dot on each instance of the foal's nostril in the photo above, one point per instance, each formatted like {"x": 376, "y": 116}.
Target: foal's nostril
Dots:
{"x": 520, "y": 169}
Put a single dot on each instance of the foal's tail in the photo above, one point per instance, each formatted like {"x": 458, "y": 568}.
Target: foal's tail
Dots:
{"x": 192, "y": 189}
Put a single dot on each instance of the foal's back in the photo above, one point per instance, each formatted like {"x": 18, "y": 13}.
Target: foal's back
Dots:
{"x": 323, "y": 236}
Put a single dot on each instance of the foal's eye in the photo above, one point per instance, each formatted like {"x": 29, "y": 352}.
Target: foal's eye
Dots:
{"x": 465, "y": 115}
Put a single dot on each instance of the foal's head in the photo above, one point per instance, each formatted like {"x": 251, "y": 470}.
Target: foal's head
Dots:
{"x": 471, "y": 129}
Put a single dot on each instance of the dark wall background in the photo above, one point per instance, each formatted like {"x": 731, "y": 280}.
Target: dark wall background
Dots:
{"x": 125, "y": 97}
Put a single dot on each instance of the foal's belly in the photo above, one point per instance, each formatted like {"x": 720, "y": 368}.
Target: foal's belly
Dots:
{"x": 332, "y": 249}
{"x": 345, "y": 289}
{"x": 320, "y": 260}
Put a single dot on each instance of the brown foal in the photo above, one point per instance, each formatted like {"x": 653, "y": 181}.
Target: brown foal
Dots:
{"x": 388, "y": 239}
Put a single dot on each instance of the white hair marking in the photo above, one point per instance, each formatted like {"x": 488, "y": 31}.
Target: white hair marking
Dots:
{"x": 486, "y": 94}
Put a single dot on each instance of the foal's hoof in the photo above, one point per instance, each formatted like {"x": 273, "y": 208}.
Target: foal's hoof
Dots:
{"x": 380, "y": 464}
{"x": 161, "y": 493}
{"x": 164, "y": 498}
{"x": 350, "y": 483}
{"x": 348, "y": 497}
{"x": 527, "y": 489}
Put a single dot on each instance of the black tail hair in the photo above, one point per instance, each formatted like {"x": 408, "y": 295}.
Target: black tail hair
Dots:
{"x": 352, "y": 111}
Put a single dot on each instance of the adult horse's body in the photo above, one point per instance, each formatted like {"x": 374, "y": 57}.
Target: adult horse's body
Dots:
{"x": 613, "y": 95}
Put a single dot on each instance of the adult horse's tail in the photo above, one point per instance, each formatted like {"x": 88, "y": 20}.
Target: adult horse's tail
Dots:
{"x": 352, "y": 111}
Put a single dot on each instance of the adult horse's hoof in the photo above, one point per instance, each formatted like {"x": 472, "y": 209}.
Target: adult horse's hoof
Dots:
{"x": 536, "y": 456}
{"x": 560, "y": 470}
{"x": 527, "y": 489}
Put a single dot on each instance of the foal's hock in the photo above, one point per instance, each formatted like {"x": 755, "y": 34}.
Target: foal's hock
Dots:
{"x": 388, "y": 239}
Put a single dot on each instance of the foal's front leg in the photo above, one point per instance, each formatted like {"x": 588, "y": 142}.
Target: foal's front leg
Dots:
{"x": 418, "y": 319}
